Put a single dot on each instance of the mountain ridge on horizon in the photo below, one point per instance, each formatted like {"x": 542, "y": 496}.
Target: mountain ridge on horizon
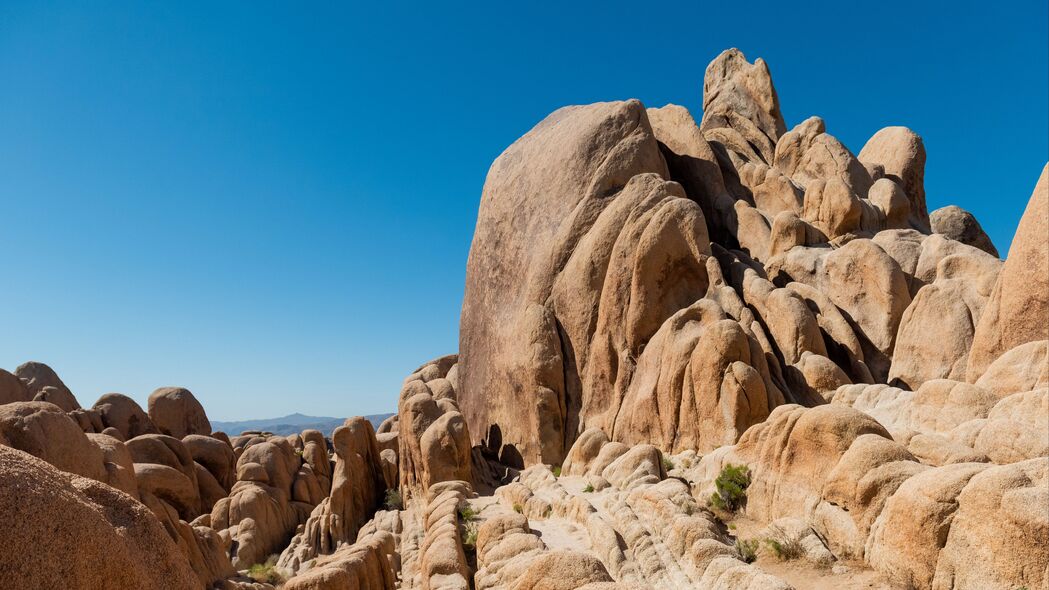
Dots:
{"x": 290, "y": 424}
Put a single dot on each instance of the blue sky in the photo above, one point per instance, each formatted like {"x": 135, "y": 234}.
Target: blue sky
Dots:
{"x": 272, "y": 203}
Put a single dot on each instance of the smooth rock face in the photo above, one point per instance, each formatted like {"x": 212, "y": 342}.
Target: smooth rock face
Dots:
{"x": 80, "y": 534}
{"x": 45, "y": 431}
{"x": 901, "y": 155}
{"x": 434, "y": 442}
{"x": 12, "y": 389}
{"x": 1019, "y": 305}
{"x": 960, "y": 225}
{"x": 738, "y": 97}
{"x": 125, "y": 415}
{"x": 176, "y": 412}
{"x": 38, "y": 377}
{"x": 542, "y": 201}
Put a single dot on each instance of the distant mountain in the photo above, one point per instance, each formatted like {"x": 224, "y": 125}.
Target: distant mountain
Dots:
{"x": 290, "y": 424}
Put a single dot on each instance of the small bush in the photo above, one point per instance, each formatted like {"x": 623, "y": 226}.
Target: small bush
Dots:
{"x": 518, "y": 508}
{"x": 467, "y": 512}
{"x": 668, "y": 464}
{"x": 266, "y": 572}
{"x": 748, "y": 550}
{"x": 589, "y": 488}
{"x": 394, "y": 500}
{"x": 469, "y": 536}
{"x": 556, "y": 470}
{"x": 785, "y": 547}
{"x": 731, "y": 484}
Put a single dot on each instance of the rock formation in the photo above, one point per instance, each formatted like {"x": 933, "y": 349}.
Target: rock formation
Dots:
{"x": 688, "y": 352}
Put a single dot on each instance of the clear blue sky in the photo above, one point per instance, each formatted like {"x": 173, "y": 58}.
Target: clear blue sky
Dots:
{"x": 272, "y": 203}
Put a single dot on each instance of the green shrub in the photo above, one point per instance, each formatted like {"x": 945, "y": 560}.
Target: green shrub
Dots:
{"x": 731, "y": 485}
{"x": 748, "y": 550}
{"x": 589, "y": 488}
{"x": 556, "y": 470}
{"x": 518, "y": 508}
{"x": 467, "y": 512}
{"x": 668, "y": 464}
{"x": 266, "y": 572}
{"x": 394, "y": 500}
{"x": 469, "y": 536}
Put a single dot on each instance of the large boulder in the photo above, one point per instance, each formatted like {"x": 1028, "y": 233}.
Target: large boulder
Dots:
{"x": 554, "y": 206}
{"x": 1018, "y": 310}
{"x": 176, "y": 412}
{"x": 740, "y": 105}
{"x": 433, "y": 441}
{"x": 38, "y": 377}
{"x": 124, "y": 414}
{"x": 45, "y": 431}
{"x": 936, "y": 331}
{"x": 12, "y": 389}
{"x": 900, "y": 153}
{"x": 260, "y": 515}
{"x": 65, "y": 531}
{"x": 958, "y": 224}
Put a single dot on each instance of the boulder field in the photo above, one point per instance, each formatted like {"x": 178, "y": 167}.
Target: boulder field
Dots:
{"x": 719, "y": 354}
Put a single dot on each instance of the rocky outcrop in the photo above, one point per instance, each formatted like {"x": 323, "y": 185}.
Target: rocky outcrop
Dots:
{"x": 673, "y": 336}
{"x": 1019, "y": 304}
{"x": 871, "y": 499}
{"x": 76, "y": 533}
{"x": 259, "y": 515}
{"x": 176, "y": 412}
{"x": 433, "y": 438}
{"x": 370, "y": 563}
{"x": 958, "y": 224}
{"x": 45, "y": 431}
{"x": 357, "y": 489}
{"x": 43, "y": 384}
{"x": 125, "y": 415}
{"x": 592, "y": 291}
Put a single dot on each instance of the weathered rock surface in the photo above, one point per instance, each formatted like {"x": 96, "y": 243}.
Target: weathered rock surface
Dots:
{"x": 125, "y": 415}
{"x": 357, "y": 489}
{"x": 960, "y": 225}
{"x": 1019, "y": 305}
{"x": 45, "y": 431}
{"x": 433, "y": 438}
{"x": 76, "y": 533}
{"x": 176, "y": 412}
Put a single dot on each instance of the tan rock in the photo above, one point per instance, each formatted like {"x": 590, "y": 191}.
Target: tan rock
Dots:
{"x": 739, "y": 96}
{"x": 37, "y": 377}
{"x": 995, "y": 536}
{"x": 12, "y": 389}
{"x": 45, "y": 431}
{"x": 124, "y": 414}
{"x": 901, "y": 154}
{"x": 120, "y": 469}
{"x": 1018, "y": 311}
{"x": 553, "y": 182}
{"x": 176, "y": 412}
{"x": 434, "y": 442}
{"x": 958, "y": 224}
{"x": 96, "y": 536}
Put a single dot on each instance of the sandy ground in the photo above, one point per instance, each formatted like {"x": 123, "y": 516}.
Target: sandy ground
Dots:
{"x": 805, "y": 575}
